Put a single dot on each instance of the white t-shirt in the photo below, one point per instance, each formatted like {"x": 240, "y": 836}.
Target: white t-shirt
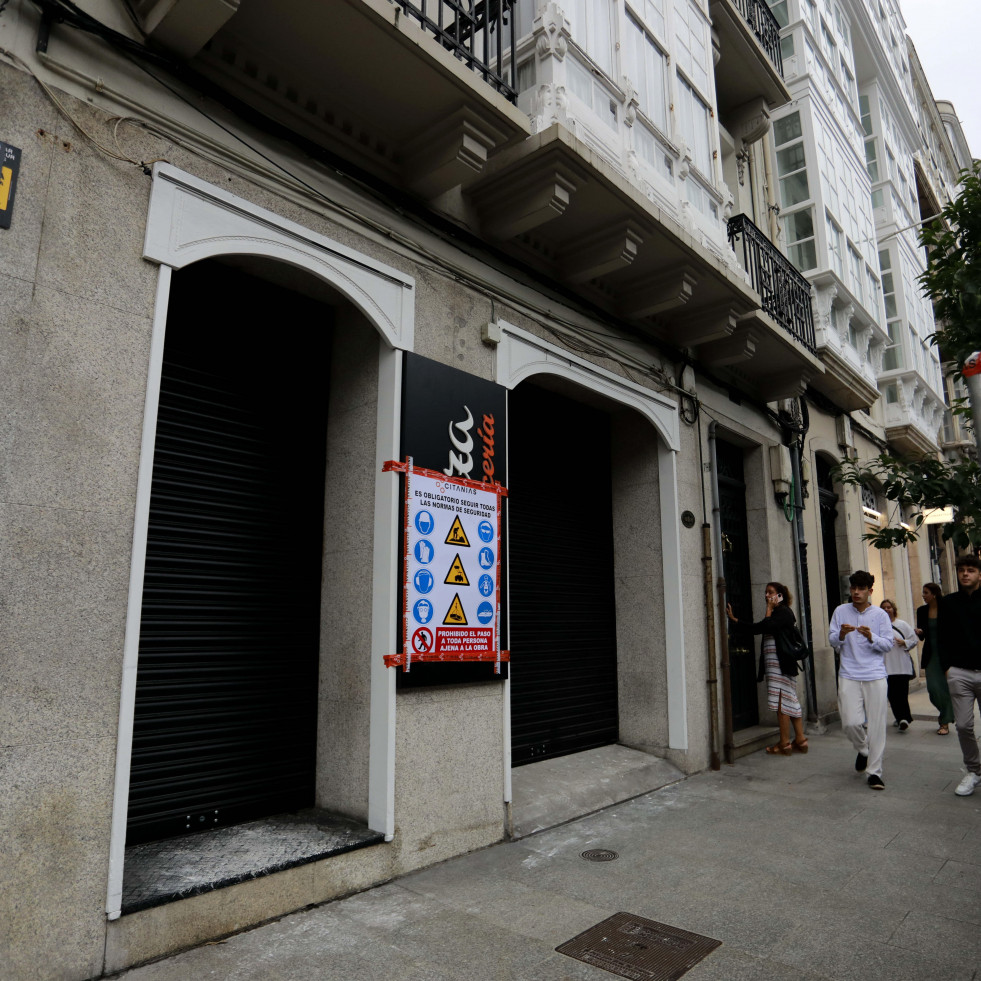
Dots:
{"x": 861, "y": 659}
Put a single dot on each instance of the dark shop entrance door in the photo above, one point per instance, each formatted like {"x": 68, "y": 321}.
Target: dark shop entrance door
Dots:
{"x": 561, "y": 589}
{"x": 735, "y": 564}
{"x": 226, "y": 692}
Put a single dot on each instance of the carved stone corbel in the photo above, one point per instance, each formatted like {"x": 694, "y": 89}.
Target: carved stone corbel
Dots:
{"x": 552, "y": 32}
{"x": 602, "y": 252}
{"x": 669, "y": 290}
{"x": 452, "y": 152}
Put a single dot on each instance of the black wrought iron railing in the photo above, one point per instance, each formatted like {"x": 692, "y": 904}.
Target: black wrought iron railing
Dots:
{"x": 478, "y": 32}
{"x": 786, "y": 294}
{"x": 760, "y": 18}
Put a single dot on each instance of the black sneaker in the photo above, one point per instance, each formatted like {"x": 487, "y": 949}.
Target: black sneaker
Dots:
{"x": 861, "y": 762}
{"x": 903, "y": 725}
{"x": 875, "y": 782}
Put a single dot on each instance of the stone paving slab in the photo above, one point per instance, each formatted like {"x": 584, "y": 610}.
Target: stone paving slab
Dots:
{"x": 799, "y": 868}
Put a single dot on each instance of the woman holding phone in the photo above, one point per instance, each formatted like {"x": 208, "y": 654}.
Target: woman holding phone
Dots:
{"x": 781, "y": 689}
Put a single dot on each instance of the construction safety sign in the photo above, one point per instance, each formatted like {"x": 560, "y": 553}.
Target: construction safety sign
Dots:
{"x": 451, "y": 586}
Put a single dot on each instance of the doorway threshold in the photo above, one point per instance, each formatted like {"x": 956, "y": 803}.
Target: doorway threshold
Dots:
{"x": 752, "y": 739}
{"x": 554, "y": 791}
{"x": 158, "y": 872}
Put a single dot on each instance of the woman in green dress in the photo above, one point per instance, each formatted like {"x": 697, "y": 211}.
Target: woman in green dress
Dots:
{"x": 926, "y": 630}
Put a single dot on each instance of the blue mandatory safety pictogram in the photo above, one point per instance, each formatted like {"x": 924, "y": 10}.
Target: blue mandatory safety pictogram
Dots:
{"x": 422, "y": 610}
{"x": 485, "y": 584}
{"x": 486, "y": 531}
{"x": 424, "y": 522}
{"x": 423, "y": 581}
{"x": 485, "y": 613}
{"x": 486, "y": 558}
{"x": 424, "y": 551}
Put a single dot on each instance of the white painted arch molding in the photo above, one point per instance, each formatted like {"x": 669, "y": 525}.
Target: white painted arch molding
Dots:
{"x": 190, "y": 220}
{"x": 521, "y": 354}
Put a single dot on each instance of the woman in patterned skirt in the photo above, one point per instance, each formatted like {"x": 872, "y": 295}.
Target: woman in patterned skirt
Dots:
{"x": 781, "y": 689}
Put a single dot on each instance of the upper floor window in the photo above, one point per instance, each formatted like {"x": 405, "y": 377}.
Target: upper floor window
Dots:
{"x": 693, "y": 122}
{"x": 692, "y": 53}
{"x": 798, "y": 233}
{"x": 650, "y": 13}
{"x": 646, "y": 67}
{"x": 591, "y": 23}
{"x": 834, "y": 246}
{"x": 779, "y": 10}
{"x": 788, "y": 137}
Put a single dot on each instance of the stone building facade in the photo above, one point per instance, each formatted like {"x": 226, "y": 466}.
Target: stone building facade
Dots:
{"x": 256, "y": 254}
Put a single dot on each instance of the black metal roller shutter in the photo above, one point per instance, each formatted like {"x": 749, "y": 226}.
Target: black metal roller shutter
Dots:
{"x": 225, "y": 720}
{"x": 560, "y": 569}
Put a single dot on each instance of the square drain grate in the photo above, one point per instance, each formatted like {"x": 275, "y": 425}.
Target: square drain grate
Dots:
{"x": 639, "y": 949}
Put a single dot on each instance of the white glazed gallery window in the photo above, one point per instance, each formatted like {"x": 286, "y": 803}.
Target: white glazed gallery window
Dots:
{"x": 798, "y": 233}
{"x": 779, "y": 10}
{"x": 692, "y": 51}
{"x": 701, "y": 199}
{"x": 788, "y": 138}
{"x": 693, "y": 123}
{"x": 586, "y": 87}
{"x": 646, "y": 66}
{"x": 873, "y": 292}
{"x": 650, "y": 150}
{"x": 834, "y": 246}
{"x": 856, "y": 270}
{"x": 591, "y": 24}
{"x": 650, "y": 13}
{"x": 892, "y": 358}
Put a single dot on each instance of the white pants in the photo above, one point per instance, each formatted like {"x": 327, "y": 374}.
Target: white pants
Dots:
{"x": 864, "y": 702}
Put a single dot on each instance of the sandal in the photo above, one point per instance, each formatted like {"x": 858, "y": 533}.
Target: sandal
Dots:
{"x": 778, "y": 750}
{"x": 801, "y": 747}
{"x": 943, "y": 730}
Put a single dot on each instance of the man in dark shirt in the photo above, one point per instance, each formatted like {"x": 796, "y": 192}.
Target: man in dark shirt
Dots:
{"x": 959, "y": 624}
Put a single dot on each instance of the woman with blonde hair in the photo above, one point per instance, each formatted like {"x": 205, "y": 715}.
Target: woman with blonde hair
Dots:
{"x": 781, "y": 689}
{"x": 899, "y": 666}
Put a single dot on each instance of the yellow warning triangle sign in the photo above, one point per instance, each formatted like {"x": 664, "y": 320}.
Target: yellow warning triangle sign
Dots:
{"x": 457, "y": 576}
{"x": 455, "y": 617}
{"x": 457, "y": 535}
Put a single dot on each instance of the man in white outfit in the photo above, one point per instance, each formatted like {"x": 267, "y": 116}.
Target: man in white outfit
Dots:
{"x": 862, "y": 634}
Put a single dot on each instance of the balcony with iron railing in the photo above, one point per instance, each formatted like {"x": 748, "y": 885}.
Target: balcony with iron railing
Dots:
{"x": 480, "y": 34}
{"x": 785, "y": 293}
{"x": 417, "y": 93}
{"x": 764, "y": 25}
{"x": 750, "y": 62}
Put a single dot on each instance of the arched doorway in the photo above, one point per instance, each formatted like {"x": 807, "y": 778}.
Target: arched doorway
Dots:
{"x": 563, "y": 624}
{"x": 225, "y": 721}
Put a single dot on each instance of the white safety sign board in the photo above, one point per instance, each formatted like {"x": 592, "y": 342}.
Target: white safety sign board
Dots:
{"x": 451, "y": 589}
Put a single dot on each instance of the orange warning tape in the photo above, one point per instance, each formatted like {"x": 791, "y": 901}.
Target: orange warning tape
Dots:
{"x": 397, "y": 660}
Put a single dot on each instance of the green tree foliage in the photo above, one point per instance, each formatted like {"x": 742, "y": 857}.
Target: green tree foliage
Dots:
{"x": 921, "y": 486}
{"x": 952, "y": 281}
{"x": 953, "y": 276}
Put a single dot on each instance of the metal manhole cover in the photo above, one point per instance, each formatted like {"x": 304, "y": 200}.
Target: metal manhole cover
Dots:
{"x": 639, "y": 949}
{"x": 600, "y": 855}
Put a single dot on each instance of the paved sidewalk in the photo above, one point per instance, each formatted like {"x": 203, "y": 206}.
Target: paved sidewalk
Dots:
{"x": 800, "y": 869}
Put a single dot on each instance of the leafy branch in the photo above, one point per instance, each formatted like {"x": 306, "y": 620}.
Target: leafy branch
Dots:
{"x": 922, "y": 486}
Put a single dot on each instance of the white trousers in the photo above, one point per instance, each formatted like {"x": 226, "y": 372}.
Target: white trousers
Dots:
{"x": 863, "y": 703}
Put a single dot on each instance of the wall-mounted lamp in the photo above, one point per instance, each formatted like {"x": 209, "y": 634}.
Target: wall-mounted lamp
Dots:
{"x": 780, "y": 473}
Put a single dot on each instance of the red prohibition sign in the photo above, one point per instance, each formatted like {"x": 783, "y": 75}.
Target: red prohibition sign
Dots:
{"x": 422, "y": 641}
